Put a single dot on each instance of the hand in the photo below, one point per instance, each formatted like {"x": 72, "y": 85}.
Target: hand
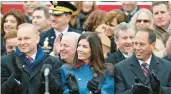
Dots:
{"x": 17, "y": 63}
{"x": 155, "y": 83}
{"x": 139, "y": 88}
{"x": 72, "y": 83}
{"x": 57, "y": 44}
{"x": 93, "y": 85}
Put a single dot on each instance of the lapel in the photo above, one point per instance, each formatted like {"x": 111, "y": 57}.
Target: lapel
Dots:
{"x": 26, "y": 69}
{"x": 119, "y": 56}
{"x": 51, "y": 36}
{"x": 136, "y": 69}
{"x": 154, "y": 66}
{"x": 36, "y": 69}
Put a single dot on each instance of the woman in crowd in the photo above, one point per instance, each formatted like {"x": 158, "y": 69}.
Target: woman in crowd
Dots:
{"x": 144, "y": 19}
{"x": 10, "y": 22}
{"x": 84, "y": 8}
{"x": 112, "y": 19}
{"x": 94, "y": 20}
{"x": 88, "y": 73}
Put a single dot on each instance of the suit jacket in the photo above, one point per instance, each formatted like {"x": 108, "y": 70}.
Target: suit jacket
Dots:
{"x": 31, "y": 81}
{"x": 50, "y": 34}
{"x": 130, "y": 16}
{"x": 115, "y": 57}
{"x": 168, "y": 57}
{"x": 127, "y": 70}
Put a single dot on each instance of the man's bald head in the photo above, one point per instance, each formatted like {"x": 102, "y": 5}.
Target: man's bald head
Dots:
{"x": 31, "y": 28}
{"x": 68, "y": 46}
{"x": 28, "y": 38}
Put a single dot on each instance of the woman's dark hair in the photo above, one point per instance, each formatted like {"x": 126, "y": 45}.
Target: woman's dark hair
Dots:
{"x": 97, "y": 57}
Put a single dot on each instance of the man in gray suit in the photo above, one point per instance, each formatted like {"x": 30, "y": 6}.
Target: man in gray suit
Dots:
{"x": 143, "y": 72}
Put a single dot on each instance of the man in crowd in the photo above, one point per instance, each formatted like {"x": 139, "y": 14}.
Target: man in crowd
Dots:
{"x": 22, "y": 72}
{"x": 29, "y": 7}
{"x": 143, "y": 72}
{"x": 61, "y": 12}
{"x": 130, "y": 8}
{"x": 161, "y": 15}
{"x": 66, "y": 48}
{"x": 124, "y": 35}
{"x": 41, "y": 18}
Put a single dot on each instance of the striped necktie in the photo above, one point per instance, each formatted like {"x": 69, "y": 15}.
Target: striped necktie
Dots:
{"x": 30, "y": 59}
{"x": 144, "y": 68}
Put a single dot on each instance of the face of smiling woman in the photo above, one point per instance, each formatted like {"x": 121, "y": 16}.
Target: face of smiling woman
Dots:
{"x": 10, "y": 24}
{"x": 84, "y": 50}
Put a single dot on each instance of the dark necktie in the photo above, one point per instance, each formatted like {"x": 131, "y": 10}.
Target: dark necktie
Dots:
{"x": 129, "y": 17}
{"x": 144, "y": 68}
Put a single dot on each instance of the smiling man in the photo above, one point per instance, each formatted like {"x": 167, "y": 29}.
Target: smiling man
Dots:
{"x": 143, "y": 72}
{"x": 124, "y": 35}
{"x": 61, "y": 12}
{"x": 22, "y": 71}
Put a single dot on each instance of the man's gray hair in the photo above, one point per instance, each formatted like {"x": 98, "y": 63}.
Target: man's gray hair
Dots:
{"x": 122, "y": 26}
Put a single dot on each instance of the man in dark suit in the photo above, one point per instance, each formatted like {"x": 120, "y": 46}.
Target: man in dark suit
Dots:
{"x": 22, "y": 72}
{"x": 129, "y": 8}
{"x": 61, "y": 12}
{"x": 124, "y": 35}
{"x": 143, "y": 72}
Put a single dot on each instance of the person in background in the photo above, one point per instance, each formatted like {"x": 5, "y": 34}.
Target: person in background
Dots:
{"x": 10, "y": 41}
{"x": 144, "y": 19}
{"x": 10, "y": 22}
{"x": 41, "y": 18}
{"x": 29, "y": 7}
{"x": 65, "y": 47}
{"x": 129, "y": 8}
{"x": 88, "y": 73}
{"x": 61, "y": 12}
{"x": 22, "y": 72}
{"x": 112, "y": 19}
{"x": 167, "y": 42}
{"x": 162, "y": 17}
{"x": 124, "y": 36}
{"x": 95, "y": 19}
{"x": 84, "y": 8}
{"x": 143, "y": 72}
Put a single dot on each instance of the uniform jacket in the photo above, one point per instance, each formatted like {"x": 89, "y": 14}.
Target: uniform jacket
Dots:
{"x": 115, "y": 57}
{"x": 83, "y": 75}
{"x": 50, "y": 34}
{"x": 31, "y": 75}
{"x": 127, "y": 70}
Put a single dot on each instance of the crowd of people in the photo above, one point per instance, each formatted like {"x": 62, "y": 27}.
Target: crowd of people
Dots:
{"x": 76, "y": 48}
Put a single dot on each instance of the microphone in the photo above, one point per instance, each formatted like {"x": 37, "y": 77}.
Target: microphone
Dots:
{"x": 46, "y": 69}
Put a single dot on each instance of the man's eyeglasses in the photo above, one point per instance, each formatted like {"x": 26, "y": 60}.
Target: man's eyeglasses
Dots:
{"x": 145, "y": 21}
